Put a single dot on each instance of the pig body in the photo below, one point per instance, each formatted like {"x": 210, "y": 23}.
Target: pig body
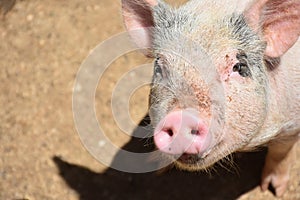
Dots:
{"x": 223, "y": 81}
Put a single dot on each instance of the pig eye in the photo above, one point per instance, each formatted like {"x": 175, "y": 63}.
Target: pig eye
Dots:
{"x": 157, "y": 68}
{"x": 242, "y": 69}
{"x": 242, "y": 66}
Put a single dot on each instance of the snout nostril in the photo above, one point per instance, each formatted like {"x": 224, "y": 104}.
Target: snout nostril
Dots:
{"x": 170, "y": 132}
{"x": 195, "y": 132}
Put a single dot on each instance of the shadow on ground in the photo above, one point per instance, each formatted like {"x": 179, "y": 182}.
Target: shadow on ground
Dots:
{"x": 173, "y": 184}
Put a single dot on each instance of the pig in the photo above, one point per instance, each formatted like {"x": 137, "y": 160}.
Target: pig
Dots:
{"x": 226, "y": 79}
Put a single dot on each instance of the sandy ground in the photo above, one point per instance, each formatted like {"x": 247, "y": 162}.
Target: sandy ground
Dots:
{"x": 43, "y": 44}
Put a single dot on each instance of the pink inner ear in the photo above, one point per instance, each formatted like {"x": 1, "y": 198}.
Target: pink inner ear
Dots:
{"x": 253, "y": 14}
{"x": 279, "y": 42}
{"x": 138, "y": 19}
{"x": 280, "y": 23}
{"x": 281, "y": 26}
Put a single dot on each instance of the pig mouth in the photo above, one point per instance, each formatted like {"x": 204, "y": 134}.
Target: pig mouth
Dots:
{"x": 195, "y": 162}
{"x": 189, "y": 159}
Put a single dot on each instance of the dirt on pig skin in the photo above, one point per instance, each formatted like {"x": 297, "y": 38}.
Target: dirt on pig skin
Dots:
{"x": 43, "y": 44}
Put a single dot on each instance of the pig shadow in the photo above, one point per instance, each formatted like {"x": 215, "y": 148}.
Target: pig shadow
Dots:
{"x": 173, "y": 184}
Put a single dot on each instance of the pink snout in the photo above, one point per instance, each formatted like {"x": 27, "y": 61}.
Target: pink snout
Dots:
{"x": 182, "y": 131}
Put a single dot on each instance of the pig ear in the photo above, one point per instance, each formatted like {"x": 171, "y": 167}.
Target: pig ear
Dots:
{"x": 279, "y": 21}
{"x": 138, "y": 19}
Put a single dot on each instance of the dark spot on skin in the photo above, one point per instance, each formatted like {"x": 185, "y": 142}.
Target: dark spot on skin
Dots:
{"x": 229, "y": 98}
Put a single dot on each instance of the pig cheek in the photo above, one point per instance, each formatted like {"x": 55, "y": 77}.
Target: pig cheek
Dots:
{"x": 245, "y": 112}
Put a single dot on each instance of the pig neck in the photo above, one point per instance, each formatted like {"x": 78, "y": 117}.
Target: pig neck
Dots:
{"x": 283, "y": 95}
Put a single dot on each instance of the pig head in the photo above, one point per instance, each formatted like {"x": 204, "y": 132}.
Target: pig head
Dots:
{"x": 223, "y": 81}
